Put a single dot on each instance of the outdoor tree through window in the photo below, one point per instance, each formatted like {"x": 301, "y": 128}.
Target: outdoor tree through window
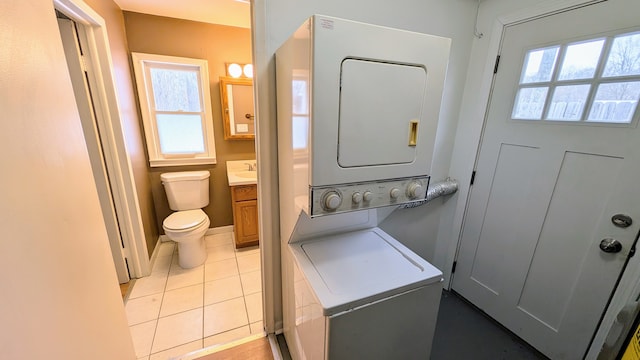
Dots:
{"x": 596, "y": 80}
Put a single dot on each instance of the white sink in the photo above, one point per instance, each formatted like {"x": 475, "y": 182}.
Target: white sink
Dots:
{"x": 247, "y": 174}
{"x": 238, "y": 172}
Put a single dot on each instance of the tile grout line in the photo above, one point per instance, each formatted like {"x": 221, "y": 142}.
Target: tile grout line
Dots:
{"x": 201, "y": 283}
{"x": 244, "y": 296}
{"x": 173, "y": 253}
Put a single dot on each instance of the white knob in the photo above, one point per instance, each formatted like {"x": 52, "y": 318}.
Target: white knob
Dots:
{"x": 367, "y": 196}
{"x": 331, "y": 200}
{"x": 394, "y": 193}
{"x": 356, "y": 197}
{"x": 414, "y": 190}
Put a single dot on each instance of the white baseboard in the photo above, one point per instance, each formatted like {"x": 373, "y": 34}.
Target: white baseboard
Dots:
{"x": 156, "y": 250}
{"x": 220, "y": 230}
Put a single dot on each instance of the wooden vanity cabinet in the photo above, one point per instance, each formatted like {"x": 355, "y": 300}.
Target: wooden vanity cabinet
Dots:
{"x": 244, "y": 200}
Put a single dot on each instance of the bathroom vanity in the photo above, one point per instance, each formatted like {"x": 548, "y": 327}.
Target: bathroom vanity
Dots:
{"x": 244, "y": 200}
{"x": 242, "y": 176}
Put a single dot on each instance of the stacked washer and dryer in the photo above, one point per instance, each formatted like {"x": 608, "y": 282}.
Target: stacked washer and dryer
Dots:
{"x": 358, "y": 107}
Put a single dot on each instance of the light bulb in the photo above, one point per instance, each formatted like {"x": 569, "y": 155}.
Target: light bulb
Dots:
{"x": 235, "y": 70}
{"x": 248, "y": 70}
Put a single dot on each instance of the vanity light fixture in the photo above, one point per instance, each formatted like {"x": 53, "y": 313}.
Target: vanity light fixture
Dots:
{"x": 236, "y": 70}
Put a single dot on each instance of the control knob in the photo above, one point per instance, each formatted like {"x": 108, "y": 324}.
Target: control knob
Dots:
{"x": 331, "y": 200}
{"x": 394, "y": 193}
{"x": 367, "y": 196}
{"x": 356, "y": 197}
{"x": 414, "y": 190}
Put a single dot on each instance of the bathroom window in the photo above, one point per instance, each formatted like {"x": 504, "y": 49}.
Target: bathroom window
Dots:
{"x": 590, "y": 81}
{"x": 176, "y": 109}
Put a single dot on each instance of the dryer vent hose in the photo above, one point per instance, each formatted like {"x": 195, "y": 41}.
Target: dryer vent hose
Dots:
{"x": 441, "y": 188}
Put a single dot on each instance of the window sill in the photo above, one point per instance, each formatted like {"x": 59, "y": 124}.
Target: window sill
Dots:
{"x": 182, "y": 162}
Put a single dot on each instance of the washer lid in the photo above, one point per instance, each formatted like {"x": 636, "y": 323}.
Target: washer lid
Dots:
{"x": 182, "y": 220}
{"x": 356, "y": 268}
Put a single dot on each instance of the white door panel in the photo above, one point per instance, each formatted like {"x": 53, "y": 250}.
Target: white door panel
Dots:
{"x": 544, "y": 195}
{"x": 86, "y": 108}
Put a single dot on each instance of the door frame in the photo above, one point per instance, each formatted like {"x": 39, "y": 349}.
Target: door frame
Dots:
{"x": 83, "y": 80}
{"x": 628, "y": 288}
{"x": 267, "y": 160}
{"x": 112, "y": 135}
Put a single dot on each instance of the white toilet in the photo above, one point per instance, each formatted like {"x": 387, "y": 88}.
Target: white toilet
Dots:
{"x": 188, "y": 193}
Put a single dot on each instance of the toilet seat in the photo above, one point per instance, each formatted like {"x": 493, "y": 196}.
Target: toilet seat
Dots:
{"x": 184, "y": 220}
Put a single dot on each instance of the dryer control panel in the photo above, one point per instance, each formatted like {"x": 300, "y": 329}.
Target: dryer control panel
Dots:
{"x": 335, "y": 199}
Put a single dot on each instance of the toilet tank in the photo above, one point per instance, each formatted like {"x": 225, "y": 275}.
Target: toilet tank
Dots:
{"x": 186, "y": 190}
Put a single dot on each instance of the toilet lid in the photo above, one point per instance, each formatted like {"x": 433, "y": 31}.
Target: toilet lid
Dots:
{"x": 184, "y": 219}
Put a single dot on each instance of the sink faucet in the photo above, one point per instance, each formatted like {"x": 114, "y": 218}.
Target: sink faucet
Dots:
{"x": 252, "y": 167}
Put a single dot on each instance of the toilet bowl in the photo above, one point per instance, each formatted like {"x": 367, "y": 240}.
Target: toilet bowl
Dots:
{"x": 187, "y": 193}
{"x": 187, "y": 229}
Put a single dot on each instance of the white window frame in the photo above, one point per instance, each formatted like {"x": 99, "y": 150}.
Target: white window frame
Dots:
{"x": 594, "y": 82}
{"x": 141, "y": 64}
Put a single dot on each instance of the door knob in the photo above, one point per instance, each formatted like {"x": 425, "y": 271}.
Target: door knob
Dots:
{"x": 610, "y": 245}
{"x": 621, "y": 220}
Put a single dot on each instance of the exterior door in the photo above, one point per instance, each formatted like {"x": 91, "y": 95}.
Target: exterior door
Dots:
{"x": 546, "y": 235}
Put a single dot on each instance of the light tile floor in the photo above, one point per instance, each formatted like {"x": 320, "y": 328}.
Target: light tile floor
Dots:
{"x": 175, "y": 311}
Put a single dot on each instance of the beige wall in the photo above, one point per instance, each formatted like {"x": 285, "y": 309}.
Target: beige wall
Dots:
{"x": 217, "y": 44}
{"x": 60, "y": 296}
{"x": 131, "y": 124}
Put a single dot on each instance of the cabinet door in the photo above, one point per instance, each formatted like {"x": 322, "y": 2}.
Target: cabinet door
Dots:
{"x": 246, "y": 223}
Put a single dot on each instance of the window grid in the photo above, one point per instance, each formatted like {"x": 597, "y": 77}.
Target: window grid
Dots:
{"x": 594, "y": 82}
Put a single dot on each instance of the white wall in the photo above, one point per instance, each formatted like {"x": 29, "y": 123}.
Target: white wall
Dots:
{"x": 60, "y": 292}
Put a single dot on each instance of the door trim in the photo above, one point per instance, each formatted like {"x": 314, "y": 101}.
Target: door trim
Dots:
{"x": 267, "y": 158}
{"x": 83, "y": 80}
{"x": 628, "y": 289}
{"x": 112, "y": 136}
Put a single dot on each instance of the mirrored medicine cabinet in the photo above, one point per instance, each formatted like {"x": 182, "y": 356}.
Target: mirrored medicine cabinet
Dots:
{"x": 236, "y": 97}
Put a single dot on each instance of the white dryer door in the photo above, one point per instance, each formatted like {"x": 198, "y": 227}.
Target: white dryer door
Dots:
{"x": 381, "y": 105}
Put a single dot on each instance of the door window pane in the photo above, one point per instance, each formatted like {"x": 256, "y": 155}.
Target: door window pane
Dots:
{"x": 581, "y": 86}
{"x": 175, "y": 90}
{"x": 615, "y": 103}
{"x": 529, "y": 103}
{"x": 580, "y": 60}
{"x": 180, "y": 134}
{"x": 568, "y": 102}
{"x": 624, "y": 57}
{"x": 539, "y": 65}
